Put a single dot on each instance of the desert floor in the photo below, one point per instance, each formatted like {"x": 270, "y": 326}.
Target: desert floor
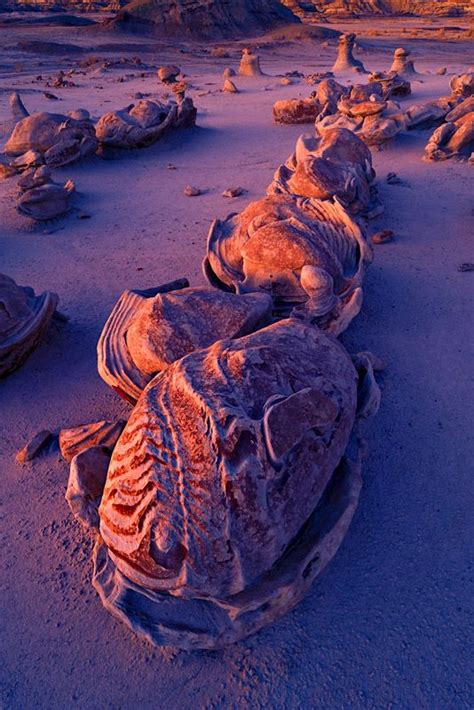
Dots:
{"x": 388, "y": 624}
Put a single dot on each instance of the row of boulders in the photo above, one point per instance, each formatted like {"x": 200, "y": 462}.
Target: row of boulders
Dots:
{"x": 369, "y": 111}
{"x": 56, "y": 140}
{"x": 42, "y": 141}
{"x": 236, "y": 476}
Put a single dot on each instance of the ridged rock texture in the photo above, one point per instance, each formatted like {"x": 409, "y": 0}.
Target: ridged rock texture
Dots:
{"x": 351, "y": 8}
{"x": 209, "y": 521}
{"x": 146, "y": 332}
{"x": 338, "y": 165}
{"x": 307, "y": 253}
{"x": 24, "y": 319}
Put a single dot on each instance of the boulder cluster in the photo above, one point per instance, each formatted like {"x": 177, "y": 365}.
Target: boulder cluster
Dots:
{"x": 235, "y": 479}
{"x": 43, "y": 141}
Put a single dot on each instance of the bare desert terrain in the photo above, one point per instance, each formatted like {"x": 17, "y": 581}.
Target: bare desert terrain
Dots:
{"x": 389, "y": 624}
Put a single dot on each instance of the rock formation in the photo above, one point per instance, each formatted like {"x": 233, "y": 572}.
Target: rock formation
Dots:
{"x": 284, "y": 245}
{"x": 147, "y": 331}
{"x": 321, "y": 103}
{"x": 144, "y": 123}
{"x": 455, "y": 137}
{"x": 54, "y": 138}
{"x": 205, "y": 19}
{"x": 249, "y": 64}
{"x": 337, "y": 165}
{"x": 231, "y": 487}
{"x": 24, "y": 319}
{"x": 402, "y": 65}
{"x": 40, "y": 198}
{"x": 345, "y": 59}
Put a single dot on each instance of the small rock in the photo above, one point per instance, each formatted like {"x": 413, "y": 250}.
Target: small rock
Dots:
{"x": 467, "y": 266}
{"x": 386, "y": 235}
{"x": 219, "y": 53}
{"x": 233, "y": 192}
{"x": 34, "y": 447}
{"x": 168, "y": 73}
{"x": 170, "y": 166}
{"x": 50, "y": 96}
{"x": 191, "y": 191}
{"x": 286, "y": 81}
{"x": 441, "y": 71}
{"x": 393, "y": 179}
{"x": 230, "y": 87}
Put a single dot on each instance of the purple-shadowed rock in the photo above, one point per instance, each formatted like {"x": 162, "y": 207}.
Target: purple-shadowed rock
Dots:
{"x": 337, "y": 164}
{"x": 280, "y": 245}
{"x": 146, "y": 333}
{"x": 77, "y": 439}
{"x": 232, "y": 486}
{"x": 24, "y": 319}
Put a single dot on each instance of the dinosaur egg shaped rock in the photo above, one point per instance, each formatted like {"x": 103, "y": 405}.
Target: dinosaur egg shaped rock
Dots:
{"x": 273, "y": 243}
{"x": 24, "y": 318}
{"x": 213, "y": 485}
{"x": 147, "y": 331}
{"x": 337, "y": 164}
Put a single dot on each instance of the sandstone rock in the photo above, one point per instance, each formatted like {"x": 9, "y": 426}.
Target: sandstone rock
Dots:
{"x": 232, "y": 192}
{"x": 41, "y": 198}
{"x": 386, "y": 235}
{"x": 58, "y": 139}
{"x": 322, "y": 102}
{"x": 145, "y": 333}
{"x": 229, "y": 87}
{"x": 24, "y": 319}
{"x": 266, "y": 247}
{"x": 34, "y": 447}
{"x": 87, "y": 476}
{"x": 168, "y": 73}
{"x": 402, "y": 65}
{"x": 142, "y": 124}
{"x": 191, "y": 191}
{"x": 345, "y": 59}
{"x": 78, "y": 439}
{"x": 336, "y": 165}
{"x": 255, "y": 484}
{"x": 250, "y": 64}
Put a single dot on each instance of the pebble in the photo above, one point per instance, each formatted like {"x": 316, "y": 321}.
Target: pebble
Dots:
{"x": 386, "y": 235}
{"x": 233, "y": 192}
{"x": 191, "y": 191}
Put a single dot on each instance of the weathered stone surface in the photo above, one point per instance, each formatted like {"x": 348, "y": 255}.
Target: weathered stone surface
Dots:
{"x": 41, "y": 198}
{"x": 402, "y": 65}
{"x": 203, "y": 19}
{"x": 142, "y": 124}
{"x": 87, "y": 476}
{"x": 337, "y": 164}
{"x": 146, "y": 333}
{"x": 59, "y": 139}
{"x": 322, "y": 102}
{"x": 345, "y": 58}
{"x": 77, "y": 439}
{"x": 229, "y": 489}
{"x": 250, "y": 64}
{"x": 24, "y": 319}
{"x": 280, "y": 245}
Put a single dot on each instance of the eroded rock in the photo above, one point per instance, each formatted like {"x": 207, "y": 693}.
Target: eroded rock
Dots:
{"x": 337, "y": 164}
{"x": 279, "y": 245}
{"x": 146, "y": 332}
{"x": 24, "y": 319}
{"x": 232, "y": 486}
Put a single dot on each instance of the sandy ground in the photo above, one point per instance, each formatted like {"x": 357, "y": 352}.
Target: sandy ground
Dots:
{"x": 389, "y": 623}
